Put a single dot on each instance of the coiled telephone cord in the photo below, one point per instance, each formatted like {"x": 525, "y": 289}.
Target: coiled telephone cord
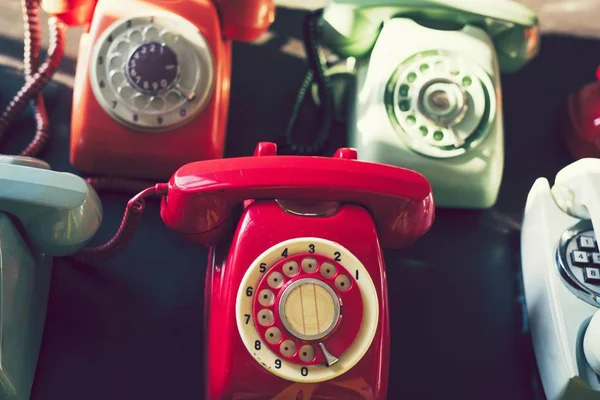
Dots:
{"x": 317, "y": 73}
{"x": 117, "y": 185}
{"x": 36, "y": 76}
{"x": 126, "y": 231}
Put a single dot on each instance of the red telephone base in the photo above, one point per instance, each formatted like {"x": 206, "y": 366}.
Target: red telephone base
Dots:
{"x": 250, "y": 367}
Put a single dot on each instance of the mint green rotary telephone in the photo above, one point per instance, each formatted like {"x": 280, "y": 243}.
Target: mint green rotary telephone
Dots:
{"x": 428, "y": 93}
{"x": 43, "y": 214}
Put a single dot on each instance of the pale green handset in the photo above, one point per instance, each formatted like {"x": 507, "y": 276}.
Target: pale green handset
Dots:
{"x": 43, "y": 213}
{"x": 428, "y": 93}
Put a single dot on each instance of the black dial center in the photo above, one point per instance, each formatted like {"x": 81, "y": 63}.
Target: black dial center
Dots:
{"x": 152, "y": 67}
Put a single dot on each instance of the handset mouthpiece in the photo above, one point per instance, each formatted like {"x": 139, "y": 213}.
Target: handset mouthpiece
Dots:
{"x": 576, "y": 190}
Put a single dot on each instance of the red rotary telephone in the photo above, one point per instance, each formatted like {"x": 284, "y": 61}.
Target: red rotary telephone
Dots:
{"x": 296, "y": 293}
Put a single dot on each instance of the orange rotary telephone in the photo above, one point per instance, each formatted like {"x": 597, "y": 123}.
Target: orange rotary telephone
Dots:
{"x": 152, "y": 82}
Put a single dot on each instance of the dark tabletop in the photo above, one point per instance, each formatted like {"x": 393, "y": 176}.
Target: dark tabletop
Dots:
{"x": 133, "y": 328}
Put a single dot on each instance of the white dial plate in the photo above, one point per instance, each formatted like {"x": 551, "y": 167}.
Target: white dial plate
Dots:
{"x": 173, "y": 102}
{"x": 271, "y": 361}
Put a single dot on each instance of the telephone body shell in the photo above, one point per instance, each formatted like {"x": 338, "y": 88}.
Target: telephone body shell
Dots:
{"x": 102, "y": 146}
{"x": 231, "y": 371}
{"x": 557, "y": 318}
{"x": 369, "y": 31}
{"x": 42, "y": 214}
{"x": 582, "y": 131}
{"x": 200, "y": 204}
{"x": 25, "y": 286}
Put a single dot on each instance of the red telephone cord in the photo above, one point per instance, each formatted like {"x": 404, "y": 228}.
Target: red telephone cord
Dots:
{"x": 129, "y": 226}
{"x": 35, "y": 81}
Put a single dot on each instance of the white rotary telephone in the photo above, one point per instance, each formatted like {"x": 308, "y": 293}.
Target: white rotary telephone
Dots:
{"x": 561, "y": 276}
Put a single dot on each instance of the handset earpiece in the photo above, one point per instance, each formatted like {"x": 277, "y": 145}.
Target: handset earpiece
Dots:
{"x": 348, "y": 30}
{"x": 575, "y": 190}
{"x": 61, "y": 232}
{"x": 60, "y": 212}
{"x": 516, "y": 47}
{"x": 245, "y": 20}
{"x": 70, "y": 12}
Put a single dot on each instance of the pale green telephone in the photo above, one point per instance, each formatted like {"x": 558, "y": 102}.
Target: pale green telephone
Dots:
{"x": 428, "y": 93}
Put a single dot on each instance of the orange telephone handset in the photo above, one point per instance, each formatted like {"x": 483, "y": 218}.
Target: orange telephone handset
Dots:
{"x": 152, "y": 83}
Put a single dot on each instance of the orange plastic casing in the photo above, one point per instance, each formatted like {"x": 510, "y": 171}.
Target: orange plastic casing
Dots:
{"x": 102, "y": 146}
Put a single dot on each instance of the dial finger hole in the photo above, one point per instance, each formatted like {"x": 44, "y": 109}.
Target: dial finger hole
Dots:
{"x": 275, "y": 280}
{"x": 126, "y": 92}
{"x": 266, "y": 298}
{"x": 116, "y": 62}
{"x": 291, "y": 268}
{"x": 173, "y": 98}
{"x": 140, "y": 101}
{"x": 151, "y": 33}
{"x": 273, "y": 335}
{"x": 265, "y": 317}
{"x": 309, "y": 265}
{"x": 288, "y": 348}
{"x": 123, "y": 47}
{"x": 328, "y": 270}
{"x": 135, "y": 37}
{"x": 342, "y": 283}
{"x": 169, "y": 38}
{"x": 117, "y": 78}
{"x": 157, "y": 103}
{"x": 306, "y": 353}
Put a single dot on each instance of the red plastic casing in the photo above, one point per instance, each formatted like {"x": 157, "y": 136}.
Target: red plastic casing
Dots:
{"x": 380, "y": 206}
{"x": 203, "y": 195}
{"x": 102, "y": 146}
{"x": 582, "y": 133}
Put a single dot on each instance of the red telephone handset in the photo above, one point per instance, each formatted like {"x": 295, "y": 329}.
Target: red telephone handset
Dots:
{"x": 152, "y": 84}
{"x": 296, "y": 297}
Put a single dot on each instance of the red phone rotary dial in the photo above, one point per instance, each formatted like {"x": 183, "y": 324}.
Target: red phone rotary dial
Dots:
{"x": 308, "y": 309}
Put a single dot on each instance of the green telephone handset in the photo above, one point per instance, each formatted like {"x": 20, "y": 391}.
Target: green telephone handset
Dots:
{"x": 351, "y": 27}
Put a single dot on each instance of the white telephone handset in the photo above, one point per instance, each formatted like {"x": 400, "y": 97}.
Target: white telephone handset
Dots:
{"x": 561, "y": 276}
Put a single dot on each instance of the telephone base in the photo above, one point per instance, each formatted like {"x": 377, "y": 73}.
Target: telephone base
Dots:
{"x": 390, "y": 124}
{"x": 557, "y": 317}
{"x": 24, "y": 289}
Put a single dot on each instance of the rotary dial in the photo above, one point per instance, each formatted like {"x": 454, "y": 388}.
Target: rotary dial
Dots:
{"x": 440, "y": 103}
{"x": 307, "y": 310}
{"x": 152, "y": 73}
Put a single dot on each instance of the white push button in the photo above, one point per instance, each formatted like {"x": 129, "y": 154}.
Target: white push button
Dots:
{"x": 596, "y": 258}
{"x": 579, "y": 257}
{"x": 592, "y": 275}
{"x": 586, "y": 243}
